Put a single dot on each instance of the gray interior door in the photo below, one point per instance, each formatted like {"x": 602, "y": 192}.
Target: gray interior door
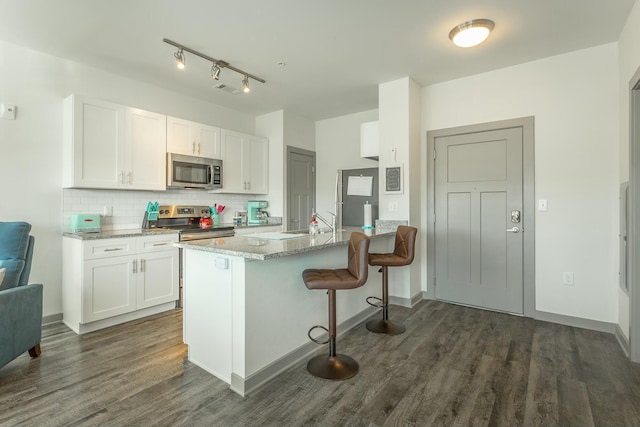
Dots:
{"x": 300, "y": 187}
{"x": 478, "y": 219}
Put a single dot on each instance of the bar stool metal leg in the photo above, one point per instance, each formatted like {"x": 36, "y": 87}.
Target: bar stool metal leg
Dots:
{"x": 384, "y": 325}
{"x": 332, "y": 366}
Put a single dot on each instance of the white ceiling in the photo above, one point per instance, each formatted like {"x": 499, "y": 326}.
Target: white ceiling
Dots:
{"x": 336, "y": 51}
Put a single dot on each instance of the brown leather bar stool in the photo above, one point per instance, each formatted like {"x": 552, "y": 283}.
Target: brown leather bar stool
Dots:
{"x": 337, "y": 366}
{"x": 402, "y": 255}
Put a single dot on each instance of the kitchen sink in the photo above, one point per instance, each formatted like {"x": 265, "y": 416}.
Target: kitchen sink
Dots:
{"x": 307, "y": 231}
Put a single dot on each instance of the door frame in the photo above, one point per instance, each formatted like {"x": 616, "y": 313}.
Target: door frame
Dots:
{"x": 287, "y": 195}
{"x": 528, "y": 200}
{"x": 634, "y": 220}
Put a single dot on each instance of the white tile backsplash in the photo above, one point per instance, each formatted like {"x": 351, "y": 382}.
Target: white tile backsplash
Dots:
{"x": 129, "y": 206}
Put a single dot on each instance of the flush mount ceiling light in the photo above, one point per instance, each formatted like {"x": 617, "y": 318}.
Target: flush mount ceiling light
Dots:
{"x": 471, "y": 33}
{"x": 179, "y": 55}
{"x": 216, "y": 64}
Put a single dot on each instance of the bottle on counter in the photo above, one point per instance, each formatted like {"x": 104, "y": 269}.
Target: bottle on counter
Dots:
{"x": 313, "y": 227}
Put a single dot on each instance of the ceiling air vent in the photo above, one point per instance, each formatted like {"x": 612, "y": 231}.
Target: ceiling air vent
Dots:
{"x": 226, "y": 88}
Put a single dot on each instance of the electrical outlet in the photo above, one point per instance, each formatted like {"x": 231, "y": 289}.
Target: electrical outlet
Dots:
{"x": 393, "y": 206}
{"x": 567, "y": 278}
{"x": 107, "y": 210}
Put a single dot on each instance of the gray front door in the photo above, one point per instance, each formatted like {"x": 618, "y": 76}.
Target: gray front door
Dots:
{"x": 300, "y": 187}
{"x": 478, "y": 219}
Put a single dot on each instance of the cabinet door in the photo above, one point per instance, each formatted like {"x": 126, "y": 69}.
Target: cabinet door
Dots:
{"x": 93, "y": 143}
{"x": 146, "y": 147}
{"x": 157, "y": 281}
{"x": 181, "y": 137}
{"x": 233, "y": 180}
{"x": 257, "y": 165}
{"x": 108, "y": 287}
{"x": 369, "y": 140}
{"x": 208, "y": 142}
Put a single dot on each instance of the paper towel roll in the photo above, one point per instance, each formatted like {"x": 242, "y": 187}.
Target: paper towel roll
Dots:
{"x": 367, "y": 216}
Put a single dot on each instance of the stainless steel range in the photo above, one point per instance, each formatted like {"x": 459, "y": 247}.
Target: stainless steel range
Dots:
{"x": 186, "y": 220}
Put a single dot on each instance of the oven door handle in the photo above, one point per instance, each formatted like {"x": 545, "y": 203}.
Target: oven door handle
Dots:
{"x": 185, "y": 237}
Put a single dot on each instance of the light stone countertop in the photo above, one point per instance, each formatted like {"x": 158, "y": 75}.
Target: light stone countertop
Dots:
{"x": 264, "y": 249}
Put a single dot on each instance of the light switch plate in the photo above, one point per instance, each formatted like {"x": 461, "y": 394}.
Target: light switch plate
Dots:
{"x": 7, "y": 112}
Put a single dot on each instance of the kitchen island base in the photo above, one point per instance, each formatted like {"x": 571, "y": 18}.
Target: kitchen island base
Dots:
{"x": 246, "y": 320}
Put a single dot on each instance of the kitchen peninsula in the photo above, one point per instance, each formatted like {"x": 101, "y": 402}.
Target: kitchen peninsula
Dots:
{"x": 246, "y": 309}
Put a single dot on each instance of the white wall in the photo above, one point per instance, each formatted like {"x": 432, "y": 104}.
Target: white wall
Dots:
{"x": 283, "y": 128}
{"x": 629, "y": 63}
{"x": 399, "y": 117}
{"x": 271, "y": 126}
{"x": 299, "y": 132}
{"x": 338, "y": 147}
{"x": 31, "y": 146}
{"x": 574, "y": 98}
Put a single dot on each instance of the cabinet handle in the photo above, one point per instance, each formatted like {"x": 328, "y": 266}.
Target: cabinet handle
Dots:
{"x": 193, "y": 148}
{"x": 142, "y": 265}
{"x": 129, "y": 177}
{"x": 112, "y": 249}
{"x": 198, "y": 148}
{"x": 121, "y": 177}
{"x": 135, "y": 266}
{"x": 160, "y": 244}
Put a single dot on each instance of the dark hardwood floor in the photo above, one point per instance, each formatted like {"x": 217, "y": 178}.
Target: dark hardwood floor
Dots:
{"x": 454, "y": 366}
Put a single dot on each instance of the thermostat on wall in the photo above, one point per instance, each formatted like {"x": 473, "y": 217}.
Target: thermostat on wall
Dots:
{"x": 7, "y": 112}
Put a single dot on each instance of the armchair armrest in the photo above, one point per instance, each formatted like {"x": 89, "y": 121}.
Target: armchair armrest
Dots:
{"x": 20, "y": 321}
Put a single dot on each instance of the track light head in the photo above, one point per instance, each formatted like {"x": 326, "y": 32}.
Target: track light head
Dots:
{"x": 215, "y": 71}
{"x": 179, "y": 55}
{"x": 245, "y": 84}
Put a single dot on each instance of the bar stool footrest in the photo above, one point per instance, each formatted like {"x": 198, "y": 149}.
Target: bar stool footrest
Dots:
{"x": 380, "y": 305}
{"x": 315, "y": 340}
{"x": 338, "y": 367}
{"x": 382, "y": 326}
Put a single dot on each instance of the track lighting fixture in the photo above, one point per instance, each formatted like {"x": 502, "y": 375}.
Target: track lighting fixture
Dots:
{"x": 179, "y": 55}
{"x": 215, "y": 71}
{"x": 245, "y": 84}
{"x": 216, "y": 64}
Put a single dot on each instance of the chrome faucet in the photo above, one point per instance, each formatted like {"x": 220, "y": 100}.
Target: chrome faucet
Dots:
{"x": 331, "y": 226}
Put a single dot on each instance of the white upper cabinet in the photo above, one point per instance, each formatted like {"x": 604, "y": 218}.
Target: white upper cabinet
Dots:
{"x": 93, "y": 140}
{"x": 245, "y": 163}
{"x": 145, "y": 150}
{"x": 107, "y": 145}
{"x": 369, "y": 140}
{"x": 192, "y": 139}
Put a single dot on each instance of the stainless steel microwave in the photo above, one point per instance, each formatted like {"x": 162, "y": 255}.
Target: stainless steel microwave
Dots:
{"x": 193, "y": 172}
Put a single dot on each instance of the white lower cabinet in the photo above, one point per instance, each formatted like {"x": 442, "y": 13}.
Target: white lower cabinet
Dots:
{"x": 111, "y": 281}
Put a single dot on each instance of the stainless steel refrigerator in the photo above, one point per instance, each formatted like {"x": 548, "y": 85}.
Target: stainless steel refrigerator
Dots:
{"x": 352, "y": 195}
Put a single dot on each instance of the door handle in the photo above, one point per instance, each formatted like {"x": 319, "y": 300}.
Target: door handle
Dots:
{"x": 513, "y": 230}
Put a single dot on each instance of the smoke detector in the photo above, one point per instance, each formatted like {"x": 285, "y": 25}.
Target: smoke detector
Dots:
{"x": 226, "y": 88}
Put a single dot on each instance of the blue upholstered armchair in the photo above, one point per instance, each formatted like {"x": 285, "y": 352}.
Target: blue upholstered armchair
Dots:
{"x": 20, "y": 303}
